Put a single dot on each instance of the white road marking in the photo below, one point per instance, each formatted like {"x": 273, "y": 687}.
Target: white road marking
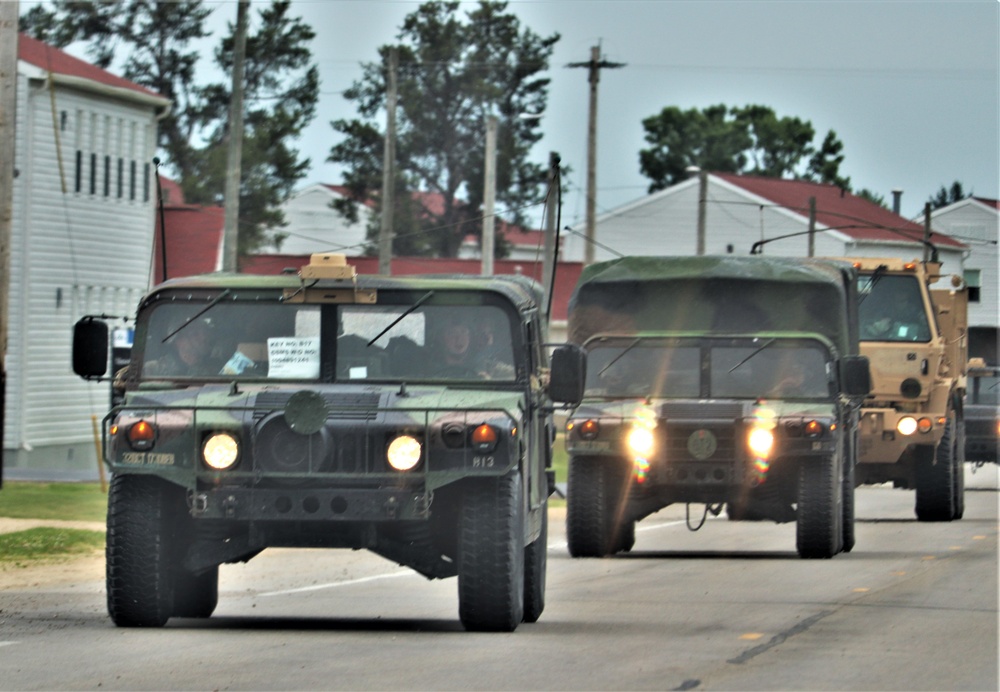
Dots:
{"x": 331, "y": 585}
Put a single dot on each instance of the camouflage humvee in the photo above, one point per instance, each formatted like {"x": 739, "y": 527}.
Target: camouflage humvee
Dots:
{"x": 327, "y": 410}
{"x": 729, "y": 381}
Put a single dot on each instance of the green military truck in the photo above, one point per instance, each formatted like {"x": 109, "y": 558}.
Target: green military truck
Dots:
{"x": 722, "y": 381}
{"x": 408, "y": 416}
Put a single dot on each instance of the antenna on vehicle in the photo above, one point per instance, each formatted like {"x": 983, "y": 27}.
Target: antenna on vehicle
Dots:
{"x": 163, "y": 222}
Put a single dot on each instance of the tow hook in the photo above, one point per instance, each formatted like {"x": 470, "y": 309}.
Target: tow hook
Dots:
{"x": 197, "y": 502}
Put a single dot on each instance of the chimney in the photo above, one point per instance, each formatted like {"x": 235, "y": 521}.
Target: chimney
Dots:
{"x": 897, "y": 194}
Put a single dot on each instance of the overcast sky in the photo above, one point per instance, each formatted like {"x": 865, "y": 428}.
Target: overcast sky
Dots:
{"x": 911, "y": 88}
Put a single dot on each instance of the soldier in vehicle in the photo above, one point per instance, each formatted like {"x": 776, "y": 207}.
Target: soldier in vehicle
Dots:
{"x": 189, "y": 352}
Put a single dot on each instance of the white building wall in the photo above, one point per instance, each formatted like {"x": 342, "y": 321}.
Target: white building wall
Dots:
{"x": 978, "y": 226}
{"x": 73, "y": 253}
{"x": 314, "y": 227}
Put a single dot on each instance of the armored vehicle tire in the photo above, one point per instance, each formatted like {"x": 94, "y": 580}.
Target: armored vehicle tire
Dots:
{"x": 959, "y": 465}
{"x": 626, "y": 536}
{"x": 847, "y": 505}
{"x": 491, "y": 556}
{"x": 818, "y": 524}
{"x": 935, "y": 476}
{"x": 196, "y": 595}
{"x": 138, "y": 569}
{"x": 593, "y": 500}
{"x": 535, "y": 562}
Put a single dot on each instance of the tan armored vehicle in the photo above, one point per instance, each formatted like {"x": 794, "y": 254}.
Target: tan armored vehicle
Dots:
{"x": 912, "y": 424}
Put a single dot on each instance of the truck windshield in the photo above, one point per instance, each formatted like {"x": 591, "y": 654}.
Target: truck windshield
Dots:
{"x": 721, "y": 368}
{"x": 984, "y": 389}
{"x": 276, "y": 341}
{"x": 891, "y": 308}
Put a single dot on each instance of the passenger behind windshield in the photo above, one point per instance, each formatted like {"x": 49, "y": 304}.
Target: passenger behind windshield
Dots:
{"x": 188, "y": 352}
{"x": 891, "y": 309}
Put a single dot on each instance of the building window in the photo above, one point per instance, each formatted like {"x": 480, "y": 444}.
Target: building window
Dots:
{"x": 107, "y": 175}
{"x": 93, "y": 173}
{"x": 79, "y": 171}
{"x": 973, "y": 280}
{"x": 145, "y": 182}
{"x": 121, "y": 177}
{"x": 131, "y": 180}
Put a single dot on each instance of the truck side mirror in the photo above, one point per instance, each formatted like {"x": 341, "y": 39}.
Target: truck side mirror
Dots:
{"x": 568, "y": 375}
{"x": 855, "y": 375}
{"x": 90, "y": 348}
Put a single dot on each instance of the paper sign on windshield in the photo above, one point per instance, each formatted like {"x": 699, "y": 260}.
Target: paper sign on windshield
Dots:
{"x": 293, "y": 357}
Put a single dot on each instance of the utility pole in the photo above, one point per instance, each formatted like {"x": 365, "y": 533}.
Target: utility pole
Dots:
{"x": 812, "y": 226}
{"x": 231, "y": 223}
{"x": 8, "y": 121}
{"x": 489, "y": 195}
{"x": 702, "y": 212}
{"x": 550, "y": 247}
{"x": 594, "y": 65}
{"x": 386, "y": 230}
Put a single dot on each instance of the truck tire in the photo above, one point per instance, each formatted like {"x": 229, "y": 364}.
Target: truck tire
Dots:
{"x": 535, "y": 561}
{"x": 935, "y": 475}
{"x": 196, "y": 595}
{"x": 491, "y": 556}
{"x": 593, "y": 500}
{"x": 818, "y": 524}
{"x": 138, "y": 556}
{"x": 959, "y": 484}
{"x": 847, "y": 504}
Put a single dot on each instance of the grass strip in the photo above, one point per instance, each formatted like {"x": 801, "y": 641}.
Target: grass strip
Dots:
{"x": 69, "y": 501}
{"x": 43, "y": 543}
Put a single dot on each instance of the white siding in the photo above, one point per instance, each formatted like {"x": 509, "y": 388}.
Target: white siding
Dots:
{"x": 73, "y": 253}
{"x": 314, "y": 227}
{"x": 978, "y": 226}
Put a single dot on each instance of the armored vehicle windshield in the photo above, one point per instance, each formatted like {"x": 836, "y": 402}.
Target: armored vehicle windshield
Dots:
{"x": 790, "y": 368}
{"x": 891, "y": 308}
{"x": 469, "y": 339}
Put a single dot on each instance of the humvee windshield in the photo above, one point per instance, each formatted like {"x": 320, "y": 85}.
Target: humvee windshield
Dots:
{"x": 471, "y": 341}
{"x": 890, "y": 308}
{"x": 707, "y": 368}
{"x": 984, "y": 389}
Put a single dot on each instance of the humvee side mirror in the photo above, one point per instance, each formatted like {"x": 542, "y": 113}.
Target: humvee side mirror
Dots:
{"x": 568, "y": 375}
{"x": 855, "y": 375}
{"x": 90, "y": 348}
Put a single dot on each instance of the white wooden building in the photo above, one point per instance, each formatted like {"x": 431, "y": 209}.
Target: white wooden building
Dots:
{"x": 739, "y": 211}
{"x": 976, "y": 222}
{"x": 83, "y": 210}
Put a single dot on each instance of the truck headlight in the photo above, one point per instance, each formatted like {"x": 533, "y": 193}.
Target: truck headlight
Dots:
{"x": 907, "y": 425}
{"x": 220, "y": 451}
{"x": 640, "y": 441}
{"x": 404, "y": 453}
{"x": 761, "y": 442}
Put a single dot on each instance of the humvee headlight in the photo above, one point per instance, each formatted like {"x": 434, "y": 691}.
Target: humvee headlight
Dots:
{"x": 403, "y": 453}
{"x": 141, "y": 436}
{"x": 220, "y": 451}
{"x": 761, "y": 442}
{"x": 589, "y": 429}
{"x": 906, "y": 425}
{"x": 484, "y": 438}
{"x": 640, "y": 441}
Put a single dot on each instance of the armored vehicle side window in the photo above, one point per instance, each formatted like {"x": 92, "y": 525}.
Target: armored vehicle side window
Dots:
{"x": 891, "y": 309}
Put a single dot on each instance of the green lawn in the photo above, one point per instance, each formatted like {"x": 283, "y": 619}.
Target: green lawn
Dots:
{"x": 45, "y": 542}
{"x": 71, "y": 501}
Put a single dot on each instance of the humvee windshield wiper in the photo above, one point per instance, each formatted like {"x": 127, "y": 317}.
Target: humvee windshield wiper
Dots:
{"x": 619, "y": 356}
{"x": 215, "y": 301}
{"x": 754, "y": 353}
{"x": 423, "y": 299}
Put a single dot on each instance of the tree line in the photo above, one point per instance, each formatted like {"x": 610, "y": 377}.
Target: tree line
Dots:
{"x": 453, "y": 71}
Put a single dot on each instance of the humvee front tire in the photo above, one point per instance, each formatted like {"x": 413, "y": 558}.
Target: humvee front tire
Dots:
{"x": 196, "y": 595}
{"x": 491, "y": 556}
{"x": 594, "y": 526}
{"x": 535, "y": 562}
{"x": 818, "y": 524}
{"x": 935, "y": 476}
{"x": 138, "y": 568}
{"x": 847, "y": 505}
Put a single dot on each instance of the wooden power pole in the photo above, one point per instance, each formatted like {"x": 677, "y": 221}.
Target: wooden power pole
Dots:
{"x": 386, "y": 230}
{"x": 594, "y": 65}
{"x": 231, "y": 223}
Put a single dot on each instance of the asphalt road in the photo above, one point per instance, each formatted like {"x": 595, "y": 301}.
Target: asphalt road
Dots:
{"x": 729, "y": 607}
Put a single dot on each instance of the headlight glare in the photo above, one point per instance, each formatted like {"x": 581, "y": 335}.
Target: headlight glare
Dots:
{"x": 220, "y": 451}
{"x": 640, "y": 441}
{"x": 404, "y": 453}
{"x": 906, "y": 425}
{"x": 761, "y": 442}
